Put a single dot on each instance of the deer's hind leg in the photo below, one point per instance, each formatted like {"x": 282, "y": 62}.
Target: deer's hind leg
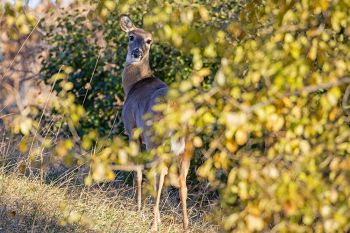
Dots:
{"x": 184, "y": 167}
{"x": 139, "y": 187}
{"x": 159, "y": 185}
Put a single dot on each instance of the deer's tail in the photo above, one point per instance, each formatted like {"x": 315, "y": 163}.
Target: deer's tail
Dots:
{"x": 177, "y": 145}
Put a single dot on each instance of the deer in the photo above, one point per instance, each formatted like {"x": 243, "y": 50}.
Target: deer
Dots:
{"x": 142, "y": 90}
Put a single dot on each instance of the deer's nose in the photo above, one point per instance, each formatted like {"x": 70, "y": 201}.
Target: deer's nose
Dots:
{"x": 136, "y": 53}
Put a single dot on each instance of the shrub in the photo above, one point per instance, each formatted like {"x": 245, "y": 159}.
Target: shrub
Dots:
{"x": 275, "y": 114}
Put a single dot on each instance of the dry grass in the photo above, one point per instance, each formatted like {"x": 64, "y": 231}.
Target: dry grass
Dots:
{"x": 63, "y": 204}
{"x": 28, "y": 205}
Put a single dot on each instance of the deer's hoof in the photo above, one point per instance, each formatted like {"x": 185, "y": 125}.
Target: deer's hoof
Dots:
{"x": 154, "y": 228}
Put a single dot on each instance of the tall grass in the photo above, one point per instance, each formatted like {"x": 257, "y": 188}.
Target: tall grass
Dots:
{"x": 62, "y": 203}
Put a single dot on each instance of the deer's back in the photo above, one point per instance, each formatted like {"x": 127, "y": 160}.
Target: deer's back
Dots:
{"x": 139, "y": 101}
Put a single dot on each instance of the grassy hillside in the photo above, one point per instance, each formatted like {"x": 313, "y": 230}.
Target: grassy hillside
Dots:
{"x": 28, "y": 205}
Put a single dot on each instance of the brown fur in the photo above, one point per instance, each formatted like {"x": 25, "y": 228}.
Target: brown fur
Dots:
{"x": 133, "y": 73}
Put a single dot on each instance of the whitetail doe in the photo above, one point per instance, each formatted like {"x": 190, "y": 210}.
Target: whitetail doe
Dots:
{"x": 142, "y": 90}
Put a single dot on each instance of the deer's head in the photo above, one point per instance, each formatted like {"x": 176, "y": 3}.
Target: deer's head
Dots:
{"x": 139, "y": 41}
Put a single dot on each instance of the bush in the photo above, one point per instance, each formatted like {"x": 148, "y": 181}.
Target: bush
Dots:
{"x": 275, "y": 113}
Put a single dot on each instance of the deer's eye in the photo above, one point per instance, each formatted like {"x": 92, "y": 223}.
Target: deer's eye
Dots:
{"x": 131, "y": 38}
{"x": 149, "y": 41}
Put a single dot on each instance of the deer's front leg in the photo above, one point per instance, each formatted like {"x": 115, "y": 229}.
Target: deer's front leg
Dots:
{"x": 137, "y": 181}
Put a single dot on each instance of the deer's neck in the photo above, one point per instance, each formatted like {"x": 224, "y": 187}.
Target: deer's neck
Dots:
{"x": 133, "y": 73}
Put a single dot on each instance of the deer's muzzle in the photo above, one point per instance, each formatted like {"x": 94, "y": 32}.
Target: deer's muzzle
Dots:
{"x": 136, "y": 53}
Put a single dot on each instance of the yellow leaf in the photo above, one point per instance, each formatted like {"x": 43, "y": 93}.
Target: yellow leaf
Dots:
{"x": 241, "y": 137}
{"x": 210, "y": 51}
{"x": 88, "y": 181}
{"x": 203, "y": 12}
{"x": 230, "y": 221}
{"x": 324, "y": 5}
{"x": 23, "y": 146}
{"x": 197, "y": 142}
{"x": 208, "y": 118}
{"x": 26, "y": 125}
{"x": 67, "y": 69}
{"x": 231, "y": 146}
{"x": 313, "y": 50}
{"x": 254, "y": 223}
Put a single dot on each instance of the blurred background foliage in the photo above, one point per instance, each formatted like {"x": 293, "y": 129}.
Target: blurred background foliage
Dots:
{"x": 261, "y": 90}
{"x": 16, "y": 21}
{"x": 95, "y": 50}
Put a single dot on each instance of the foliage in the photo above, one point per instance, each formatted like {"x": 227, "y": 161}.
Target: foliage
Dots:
{"x": 264, "y": 98}
{"x": 95, "y": 50}
{"x": 277, "y": 122}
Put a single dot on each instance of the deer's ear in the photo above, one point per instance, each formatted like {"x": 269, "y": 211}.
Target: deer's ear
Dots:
{"x": 126, "y": 23}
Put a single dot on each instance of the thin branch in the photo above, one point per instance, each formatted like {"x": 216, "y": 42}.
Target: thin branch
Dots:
{"x": 128, "y": 167}
{"x": 346, "y": 98}
{"x": 42, "y": 114}
{"x": 20, "y": 49}
{"x": 306, "y": 90}
{"x": 92, "y": 75}
{"x": 6, "y": 115}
